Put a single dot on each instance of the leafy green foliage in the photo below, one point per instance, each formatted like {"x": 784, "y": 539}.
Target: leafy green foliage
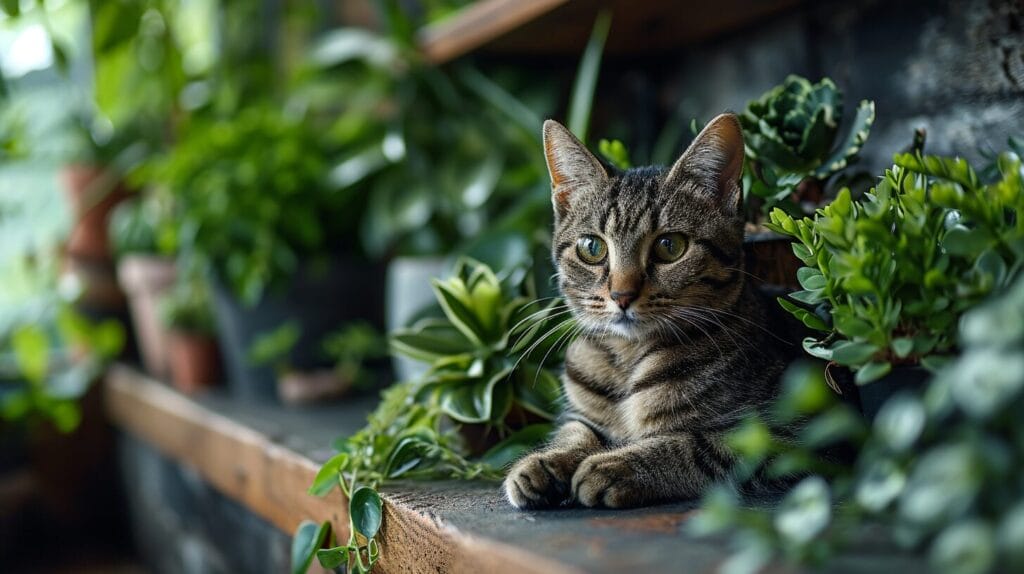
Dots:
{"x": 230, "y": 179}
{"x": 187, "y": 308}
{"x": 487, "y": 355}
{"x": 488, "y": 352}
{"x": 615, "y": 152}
{"x": 273, "y": 347}
{"x": 888, "y": 276}
{"x": 352, "y": 347}
{"x": 46, "y": 366}
{"x": 791, "y": 134}
{"x": 937, "y": 469}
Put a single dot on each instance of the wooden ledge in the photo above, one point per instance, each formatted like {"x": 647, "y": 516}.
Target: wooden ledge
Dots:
{"x": 265, "y": 457}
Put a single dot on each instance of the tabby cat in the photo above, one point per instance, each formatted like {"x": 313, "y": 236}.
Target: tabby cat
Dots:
{"x": 676, "y": 345}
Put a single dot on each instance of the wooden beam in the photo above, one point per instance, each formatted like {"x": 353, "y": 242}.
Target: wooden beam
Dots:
{"x": 478, "y": 24}
{"x": 271, "y": 480}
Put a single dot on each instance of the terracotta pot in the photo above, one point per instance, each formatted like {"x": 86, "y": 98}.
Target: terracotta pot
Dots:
{"x": 770, "y": 259}
{"x": 145, "y": 278}
{"x": 92, "y": 192}
{"x": 194, "y": 361}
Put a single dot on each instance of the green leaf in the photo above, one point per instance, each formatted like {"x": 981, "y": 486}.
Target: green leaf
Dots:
{"x": 32, "y": 352}
{"x": 582, "y": 97}
{"x": 853, "y": 353}
{"x": 538, "y": 390}
{"x": 615, "y": 152}
{"x": 331, "y": 558}
{"x": 967, "y": 242}
{"x": 811, "y": 279}
{"x": 516, "y": 445}
{"x": 458, "y": 313}
{"x": 849, "y": 325}
{"x": 478, "y": 401}
{"x": 850, "y": 147}
{"x": 366, "y": 510}
{"x": 308, "y": 538}
{"x": 430, "y": 340}
{"x": 808, "y": 318}
{"x": 808, "y": 297}
{"x": 11, "y": 7}
{"x": 902, "y": 346}
{"x": 872, "y": 372}
{"x": 327, "y": 477}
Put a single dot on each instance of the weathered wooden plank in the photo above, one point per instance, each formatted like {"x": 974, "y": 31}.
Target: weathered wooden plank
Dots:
{"x": 478, "y": 24}
{"x": 271, "y": 480}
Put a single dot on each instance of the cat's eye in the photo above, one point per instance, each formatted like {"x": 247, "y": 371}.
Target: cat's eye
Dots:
{"x": 669, "y": 247}
{"x": 591, "y": 249}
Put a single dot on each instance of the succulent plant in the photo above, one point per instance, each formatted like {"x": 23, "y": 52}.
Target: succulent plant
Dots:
{"x": 791, "y": 132}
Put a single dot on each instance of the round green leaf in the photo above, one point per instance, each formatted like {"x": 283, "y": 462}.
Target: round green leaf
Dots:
{"x": 805, "y": 512}
{"x": 366, "y": 510}
{"x": 964, "y": 548}
{"x": 309, "y": 537}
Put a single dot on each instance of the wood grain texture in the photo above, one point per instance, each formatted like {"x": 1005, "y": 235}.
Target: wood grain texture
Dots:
{"x": 561, "y": 27}
{"x": 271, "y": 480}
{"x": 477, "y": 25}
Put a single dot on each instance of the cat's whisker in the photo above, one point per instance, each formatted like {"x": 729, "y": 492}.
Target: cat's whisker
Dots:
{"x": 561, "y": 309}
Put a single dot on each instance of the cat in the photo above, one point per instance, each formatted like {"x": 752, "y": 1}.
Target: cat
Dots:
{"x": 676, "y": 344}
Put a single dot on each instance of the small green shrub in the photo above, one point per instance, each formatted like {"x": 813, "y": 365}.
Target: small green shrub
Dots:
{"x": 938, "y": 469}
{"x": 254, "y": 198}
{"x": 887, "y": 277}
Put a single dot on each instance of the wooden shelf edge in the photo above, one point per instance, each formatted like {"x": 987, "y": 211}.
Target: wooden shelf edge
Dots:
{"x": 271, "y": 480}
{"x": 478, "y": 24}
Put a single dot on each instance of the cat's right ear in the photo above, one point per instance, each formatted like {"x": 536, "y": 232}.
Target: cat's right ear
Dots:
{"x": 571, "y": 166}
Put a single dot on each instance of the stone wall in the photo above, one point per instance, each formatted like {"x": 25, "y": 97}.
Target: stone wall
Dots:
{"x": 181, "y": 524}
{"x": 953, "y": 67}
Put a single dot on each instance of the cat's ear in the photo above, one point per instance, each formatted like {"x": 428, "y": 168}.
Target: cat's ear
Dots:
{"x": 571, "y": 166}
{"x": 715, "y": 158}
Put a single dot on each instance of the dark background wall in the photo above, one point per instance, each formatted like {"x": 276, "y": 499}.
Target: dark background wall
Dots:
{"x": 952, "y": 67}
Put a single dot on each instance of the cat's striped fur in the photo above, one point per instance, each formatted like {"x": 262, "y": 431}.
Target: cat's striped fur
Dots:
{"x": 653, "y": 386}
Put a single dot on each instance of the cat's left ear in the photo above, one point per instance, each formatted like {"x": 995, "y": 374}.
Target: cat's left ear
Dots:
{"x": 715, "y": 158}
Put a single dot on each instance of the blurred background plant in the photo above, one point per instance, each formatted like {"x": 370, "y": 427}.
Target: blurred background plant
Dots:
{"x": 936, "y": 467}
{"x": 933, "y": 463}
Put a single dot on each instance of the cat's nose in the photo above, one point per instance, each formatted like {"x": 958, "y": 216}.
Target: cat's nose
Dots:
{"x": 624, "y": 298}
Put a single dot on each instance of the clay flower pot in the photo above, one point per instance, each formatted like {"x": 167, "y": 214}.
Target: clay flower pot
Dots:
{"x": 92, "y": 192}
{"x": 145, "y": 279}
{"x": 194, "y": 361}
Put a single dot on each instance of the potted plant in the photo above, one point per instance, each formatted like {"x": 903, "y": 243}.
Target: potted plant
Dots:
{"x": 192, "y": 352}
{"x": 257, "y": 208}
{"x": 887, "y": 277}
{"x": 144, "y": 273}
{"x": 793, "y": 155}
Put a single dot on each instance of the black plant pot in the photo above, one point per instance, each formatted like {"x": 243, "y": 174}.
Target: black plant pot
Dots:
{"x": 318, "y": 300}
{"x": 873, "y": 395}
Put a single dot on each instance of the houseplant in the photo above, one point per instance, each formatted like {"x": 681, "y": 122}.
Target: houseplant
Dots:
{"x": 144, "y": 273}
{"x": 257, "y": 209}
{"x": 887, "y": 277}
{"x": 192, "y": 352}
{"x": 936, "y": 471}
{"x": 488, "y": 354}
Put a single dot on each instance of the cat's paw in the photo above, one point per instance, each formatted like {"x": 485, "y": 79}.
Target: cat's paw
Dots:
{"x": 607, "y": 480}
{"x": 540, "y": 480}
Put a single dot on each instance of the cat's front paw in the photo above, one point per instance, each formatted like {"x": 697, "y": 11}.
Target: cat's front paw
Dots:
{"x": 540, "y": 480}
{"x": 607, "y": 480}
